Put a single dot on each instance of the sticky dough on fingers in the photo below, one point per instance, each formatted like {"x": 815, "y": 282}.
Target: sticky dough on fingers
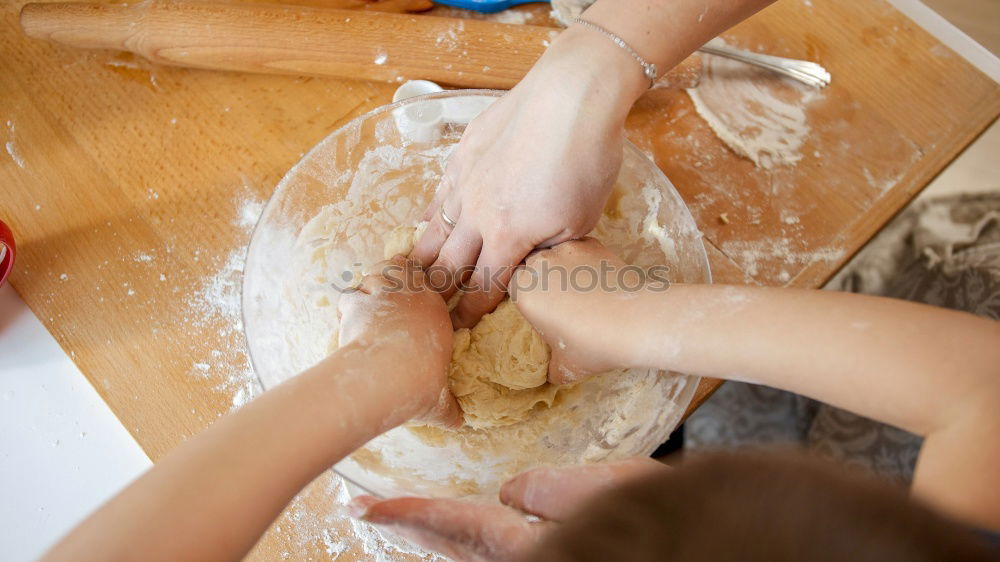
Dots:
{"x": 499, "y": 367}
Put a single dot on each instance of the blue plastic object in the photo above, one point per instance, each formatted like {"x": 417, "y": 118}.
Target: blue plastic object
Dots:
{"x": 485, "y": 6}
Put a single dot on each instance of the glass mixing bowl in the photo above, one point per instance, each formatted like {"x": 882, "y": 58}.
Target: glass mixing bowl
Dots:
{"x": 326, "y": 220}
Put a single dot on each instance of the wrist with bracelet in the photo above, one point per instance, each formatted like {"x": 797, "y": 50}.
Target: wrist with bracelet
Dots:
{"x": 649, "y": 69}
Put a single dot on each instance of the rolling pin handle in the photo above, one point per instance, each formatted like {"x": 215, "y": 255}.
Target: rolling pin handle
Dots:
{"x": 91, "y": 26}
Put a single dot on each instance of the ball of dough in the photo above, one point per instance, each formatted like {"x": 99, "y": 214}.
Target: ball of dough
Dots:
{"x": 498, "y": 369}
{"x": 505, "y": 349}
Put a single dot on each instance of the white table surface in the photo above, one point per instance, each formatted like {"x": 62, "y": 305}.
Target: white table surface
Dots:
{"x": 63, "y": 452}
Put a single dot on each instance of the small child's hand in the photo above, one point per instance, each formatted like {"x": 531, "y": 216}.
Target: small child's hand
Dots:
{"x": 556, "y": 290}
{"x": 406, "y": 327}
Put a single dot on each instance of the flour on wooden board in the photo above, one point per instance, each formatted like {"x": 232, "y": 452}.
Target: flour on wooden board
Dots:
{"x": 512, "y": 17}
{"x": 11, "y": 146}
{"x": 758, "y": 114}
{"x": 752, "y": 254}
{"x": 217, "y": 303}
{"x": 308, "y": 527}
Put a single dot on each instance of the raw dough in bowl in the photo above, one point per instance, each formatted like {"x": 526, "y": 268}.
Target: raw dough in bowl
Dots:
{"x": 498, "y": 368}
{"x": 332, "y": 214}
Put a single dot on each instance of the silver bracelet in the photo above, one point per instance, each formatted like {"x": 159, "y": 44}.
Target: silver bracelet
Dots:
{"x": 648, "y": 68}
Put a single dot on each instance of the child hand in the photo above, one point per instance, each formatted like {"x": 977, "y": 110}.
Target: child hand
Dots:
{"x": 568, "y": 293}
{"x": 405, "y": 327}
{"x": 475, "y": 531}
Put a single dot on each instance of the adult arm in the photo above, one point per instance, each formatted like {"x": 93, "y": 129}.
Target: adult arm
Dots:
{"x": 536, "y": 168}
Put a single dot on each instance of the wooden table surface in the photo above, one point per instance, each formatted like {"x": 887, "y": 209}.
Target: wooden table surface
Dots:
{"x": 131, "y": 190}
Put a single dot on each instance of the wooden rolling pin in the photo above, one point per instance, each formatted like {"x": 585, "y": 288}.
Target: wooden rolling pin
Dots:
{"x": 301, "y": 40}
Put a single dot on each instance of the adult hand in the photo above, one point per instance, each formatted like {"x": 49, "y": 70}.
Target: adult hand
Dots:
{"x": 533, "y": 170}
{"x": 396, "y": 318}
{"x": 477, "y": 532}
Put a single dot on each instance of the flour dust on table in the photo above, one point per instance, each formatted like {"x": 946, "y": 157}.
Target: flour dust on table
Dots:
{"x": 217, "y": 302}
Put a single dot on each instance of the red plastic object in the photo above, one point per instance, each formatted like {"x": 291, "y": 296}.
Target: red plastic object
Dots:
{"x": 7, "y": 262}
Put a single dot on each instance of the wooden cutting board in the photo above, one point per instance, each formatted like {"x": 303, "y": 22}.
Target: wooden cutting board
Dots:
{"x": 131, "y": 190}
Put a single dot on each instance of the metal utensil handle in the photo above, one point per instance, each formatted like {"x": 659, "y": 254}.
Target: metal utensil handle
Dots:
{"x": 806, "y": 72}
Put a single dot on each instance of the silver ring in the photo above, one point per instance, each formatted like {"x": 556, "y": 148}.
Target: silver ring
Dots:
{"x": 447, "y": 220}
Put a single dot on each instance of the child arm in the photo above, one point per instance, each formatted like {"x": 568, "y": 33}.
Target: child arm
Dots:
{"x": 213, "y": 496}
{"x": 931, "y": 371}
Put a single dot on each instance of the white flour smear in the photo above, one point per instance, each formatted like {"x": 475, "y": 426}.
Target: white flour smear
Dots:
{"x": 317, "y": 521}
{"x": 12, "y": 147}
{"x": 248, "y": 213}
{"x": 758, "y": 114}
{"x": 512, "y": 17}
{"x": 217, "y": 303}
{"x": 752, "y": 255}
{"x": 14, "y": 154}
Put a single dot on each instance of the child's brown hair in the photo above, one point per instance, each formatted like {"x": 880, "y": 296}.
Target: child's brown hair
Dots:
{"x": 755, "y": 506}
